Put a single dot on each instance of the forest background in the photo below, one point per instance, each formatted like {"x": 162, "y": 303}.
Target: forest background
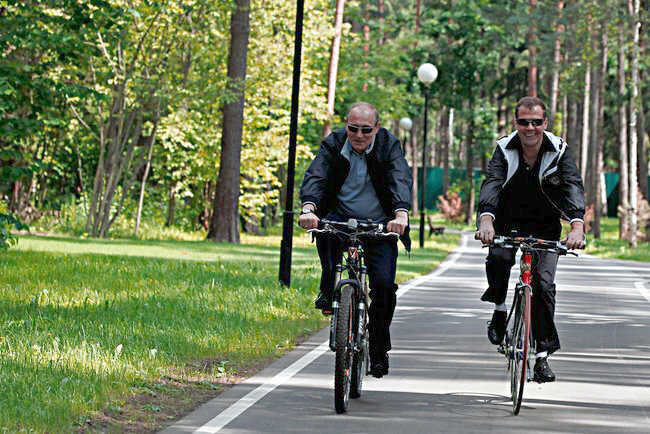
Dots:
{"x": 169, "y": 119}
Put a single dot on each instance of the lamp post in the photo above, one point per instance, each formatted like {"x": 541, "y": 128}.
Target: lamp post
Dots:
{"x": 406, "y": 124}
{"x": 427, "y": 73}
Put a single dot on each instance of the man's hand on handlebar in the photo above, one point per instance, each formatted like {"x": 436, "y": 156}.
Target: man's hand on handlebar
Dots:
{"x": 307, "y": 219}
{"x": 485, "y": 231}
{"x": 576, "y": 237}
{"x": 399, "y": 223}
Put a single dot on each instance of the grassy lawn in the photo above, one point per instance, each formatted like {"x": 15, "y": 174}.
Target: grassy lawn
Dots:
{"x": 115, "y": 335}
{"x": 609, "y": 246}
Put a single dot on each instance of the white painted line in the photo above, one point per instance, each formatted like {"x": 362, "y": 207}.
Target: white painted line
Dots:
{"x": 223, "y": 418}
{"x": 226, "y": 416}
{"x": 644, "y": 292}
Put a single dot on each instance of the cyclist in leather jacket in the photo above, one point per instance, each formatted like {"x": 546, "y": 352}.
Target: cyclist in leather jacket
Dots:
{"x": 360, "y": 172}
{"x": 532, "y": 183}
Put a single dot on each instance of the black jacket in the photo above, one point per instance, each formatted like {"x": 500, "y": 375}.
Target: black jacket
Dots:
{"x": 387, "y": 168}
{"x": 559, "y": 178}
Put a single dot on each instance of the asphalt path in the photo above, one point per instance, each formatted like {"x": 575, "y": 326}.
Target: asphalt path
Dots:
{"x": 446, "y": 377}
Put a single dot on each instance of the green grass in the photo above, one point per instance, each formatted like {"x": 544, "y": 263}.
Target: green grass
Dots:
{"x": 85, "y": 324}
{"x": 609, "y": 245}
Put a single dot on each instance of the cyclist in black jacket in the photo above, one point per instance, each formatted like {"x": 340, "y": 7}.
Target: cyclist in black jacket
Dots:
{"x": 360, "y": 172}
{"x": 532, "y": 183}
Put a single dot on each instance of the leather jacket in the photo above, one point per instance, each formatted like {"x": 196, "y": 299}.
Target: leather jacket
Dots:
{"x": 559, "y": 177}
{"x": 387, "y": 168}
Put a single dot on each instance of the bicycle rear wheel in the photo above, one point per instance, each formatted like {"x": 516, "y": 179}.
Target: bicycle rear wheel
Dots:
{"x": 344, "y": 349}
{"x": 519, "y": 350}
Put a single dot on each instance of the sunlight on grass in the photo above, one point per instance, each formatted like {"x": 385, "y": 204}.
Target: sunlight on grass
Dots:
{"x": 85, "y": 323}
{"x": 610, "y": 246}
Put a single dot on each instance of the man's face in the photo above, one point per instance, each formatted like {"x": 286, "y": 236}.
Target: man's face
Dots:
{"x": 531, "y": 133}
{"x": 361, "y": 119}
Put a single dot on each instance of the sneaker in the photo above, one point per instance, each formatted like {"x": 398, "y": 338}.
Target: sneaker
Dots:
{"x": 323, "y": 302}
{"x": 543, "y": 373}
{"x": 497, "y": 327}
{"x": 379, "y": 366}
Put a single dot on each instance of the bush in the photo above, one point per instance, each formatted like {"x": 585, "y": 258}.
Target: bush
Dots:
{"x": 7, "y": 239}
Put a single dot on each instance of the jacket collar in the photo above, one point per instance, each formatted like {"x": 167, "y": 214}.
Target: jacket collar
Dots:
{"x": 547, "y": 144}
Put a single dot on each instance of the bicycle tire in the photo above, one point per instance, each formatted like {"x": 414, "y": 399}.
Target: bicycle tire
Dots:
{"x": 359, "y": 358}
{"x": 519, "y": 351}
{"x": 344, "y": 349}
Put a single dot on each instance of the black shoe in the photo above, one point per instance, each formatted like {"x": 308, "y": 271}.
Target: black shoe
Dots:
{"x": 497, "y": 327}
{"x": 323, "y": 302}
{"x": 543, "y": 373}
{"x": 379, "y": 365}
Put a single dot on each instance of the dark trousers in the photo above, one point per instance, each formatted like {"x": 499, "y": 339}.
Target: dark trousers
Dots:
{"x": 497, "y": 266}
{"x": 381, "y": 263}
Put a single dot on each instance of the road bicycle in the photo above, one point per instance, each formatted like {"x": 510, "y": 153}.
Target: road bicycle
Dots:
{"x": 350, "y": 302}
{"x": 518, "y": 345}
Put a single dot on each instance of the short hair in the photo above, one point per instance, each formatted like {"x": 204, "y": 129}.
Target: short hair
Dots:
{"x": 530, "y": 102}
{"x": 367, "y": 106}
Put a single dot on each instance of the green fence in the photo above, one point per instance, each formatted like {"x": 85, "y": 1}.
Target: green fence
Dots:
{"x": 435, "y": 175}
{"x": 611, "y": 182}
{"x": 434, "y": 184}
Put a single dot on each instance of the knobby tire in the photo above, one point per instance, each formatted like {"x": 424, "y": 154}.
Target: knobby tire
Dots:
{"x": 344, "y": 349}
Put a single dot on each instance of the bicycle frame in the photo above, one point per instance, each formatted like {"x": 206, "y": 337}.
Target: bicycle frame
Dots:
{"x": 348, "y": 325}
{"x": 519, "y": 343}
{"x": 353, "y": 263}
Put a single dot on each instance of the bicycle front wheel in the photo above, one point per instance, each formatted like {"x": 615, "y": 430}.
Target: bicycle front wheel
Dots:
{"x": 360, "y": 356}
{"x": 344, "y": 349}
{"x": 519, "y": 350}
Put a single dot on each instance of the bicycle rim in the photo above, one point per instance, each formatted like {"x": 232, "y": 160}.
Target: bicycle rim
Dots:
{"x": 344, "y": 350}
{"x": 520, "y": 352}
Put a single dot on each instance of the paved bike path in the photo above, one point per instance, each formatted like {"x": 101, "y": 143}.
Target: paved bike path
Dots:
{"x": 446, "y": 377}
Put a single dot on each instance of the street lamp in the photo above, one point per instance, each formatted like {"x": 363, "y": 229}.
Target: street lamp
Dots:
{"x": 405, "y": 124}
{"x": 427, "y": 73}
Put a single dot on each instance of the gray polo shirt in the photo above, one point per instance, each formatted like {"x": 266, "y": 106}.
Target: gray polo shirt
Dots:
{"x": 358, "y": 198}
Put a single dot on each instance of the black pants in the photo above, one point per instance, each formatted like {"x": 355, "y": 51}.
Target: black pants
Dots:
{"x": 381, "y": 262}
{"x": 497, "y": 267}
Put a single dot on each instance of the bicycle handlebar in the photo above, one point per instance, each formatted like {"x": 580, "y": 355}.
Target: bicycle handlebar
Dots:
{"x": 531, "y": 243}
{"x": 358, "y": 228}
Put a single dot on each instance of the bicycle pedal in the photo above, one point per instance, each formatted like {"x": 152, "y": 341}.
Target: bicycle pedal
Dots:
{"x": 501, "y": 350}
{"x": 327, "y": 312}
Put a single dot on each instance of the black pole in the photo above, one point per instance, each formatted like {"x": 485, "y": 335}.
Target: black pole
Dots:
{"x": 423, "y": 188}
{"x": 287, "y": 225}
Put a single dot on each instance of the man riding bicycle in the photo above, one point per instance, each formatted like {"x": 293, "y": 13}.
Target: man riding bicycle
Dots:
{"x": 532, "y": 183}
{"x": 360, "y": 172}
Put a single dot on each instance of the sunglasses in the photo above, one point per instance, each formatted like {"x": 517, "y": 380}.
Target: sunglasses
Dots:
{"x": 364, "y": 130}
{"x": 526, "y": 122}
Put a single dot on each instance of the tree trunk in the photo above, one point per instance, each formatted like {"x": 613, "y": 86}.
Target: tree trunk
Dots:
{"x": 145, "y": 175}
{"x": 532, "y": 53}
{"x": 633, "y": 10}
{"x": 601, "y": 191}
{"x": 225, "y": 217}
{"x": 469, "y": 210}
{"x": 642, "y": 151}
{"x": 584, "y": 143}
{"x": 414, "y": 167}
{"x": 333, "y": 66}
{"x": 445, "y": 161}
{"x": 557, "y": 57}
{"x": 623, "y": 184}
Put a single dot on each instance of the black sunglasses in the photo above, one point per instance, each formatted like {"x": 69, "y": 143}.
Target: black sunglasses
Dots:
{"x": 364, "y": 130}
{"x": 526, "y": 122}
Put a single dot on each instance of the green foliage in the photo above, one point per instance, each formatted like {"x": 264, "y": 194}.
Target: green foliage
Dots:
{"x": 8, "y": 222}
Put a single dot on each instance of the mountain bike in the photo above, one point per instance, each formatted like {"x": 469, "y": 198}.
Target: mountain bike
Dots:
{"x": 350, "y": 302}
{"x": 518, "y": 345}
